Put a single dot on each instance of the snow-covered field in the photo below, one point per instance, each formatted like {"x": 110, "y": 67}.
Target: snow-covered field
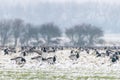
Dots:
{"x": 87, "y": 67}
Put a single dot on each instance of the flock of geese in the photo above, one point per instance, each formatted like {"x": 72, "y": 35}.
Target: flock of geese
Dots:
{"x": 112, "y": 52}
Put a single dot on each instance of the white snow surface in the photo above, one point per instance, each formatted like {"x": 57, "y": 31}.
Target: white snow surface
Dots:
{"x": 87, "y": 64}
{"x": 63, "y": 61}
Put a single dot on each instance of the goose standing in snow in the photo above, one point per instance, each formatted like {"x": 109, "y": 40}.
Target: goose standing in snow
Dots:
{"x": 6, "y": 51}
{"x": 114, "y": 58}
{"x": 97, "y": 53}
{"x": 38, "y": 58}
{"x": 51, "y": 60}
{"x": 19, "y": 60}
{"x": 23, "y": 53}
{"x": 74, "y": 56}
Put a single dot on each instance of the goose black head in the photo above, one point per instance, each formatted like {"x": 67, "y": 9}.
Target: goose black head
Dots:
{"x": 54, "y": 58}
{"x": 77, "y": 55}
{"x": 44, "y": 50}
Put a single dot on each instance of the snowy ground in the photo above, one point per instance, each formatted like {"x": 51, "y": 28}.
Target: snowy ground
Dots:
{"x": 87, "y": 67}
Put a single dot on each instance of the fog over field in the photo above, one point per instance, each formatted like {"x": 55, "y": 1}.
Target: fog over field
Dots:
{"x": 65, "y": 13}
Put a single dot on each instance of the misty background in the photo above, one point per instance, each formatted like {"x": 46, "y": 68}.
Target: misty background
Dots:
{"x": 65, "y": 14}
{"x": 104, "y": 14}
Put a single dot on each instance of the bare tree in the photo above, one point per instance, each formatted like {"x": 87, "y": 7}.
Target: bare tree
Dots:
{"x": 34, "y": 31}
{"x": 31, "y": 32}
{"x": 80, "y": 35}
{"x": 94, "y": 34}
{"x": 49, "y": 31}
{"x": 26, "y": 36}
{"x": 5, "y": 31}
{"x": 84, "y": 35}
{"x": 18, "y": 26}
{"x": 70, "y": 33}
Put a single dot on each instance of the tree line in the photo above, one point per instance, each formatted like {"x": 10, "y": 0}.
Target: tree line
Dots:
{"x": 17, "y": 31}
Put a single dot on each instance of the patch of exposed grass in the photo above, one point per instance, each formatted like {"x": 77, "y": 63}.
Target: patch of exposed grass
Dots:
{"x": 55, "y": 75}
{"x": 97, "y": 78}
{"x": 59, "y": 77}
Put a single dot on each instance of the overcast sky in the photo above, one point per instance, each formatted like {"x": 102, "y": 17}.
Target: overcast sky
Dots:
{"x": 24, "y": 2}
{"x": 65, "y": 13}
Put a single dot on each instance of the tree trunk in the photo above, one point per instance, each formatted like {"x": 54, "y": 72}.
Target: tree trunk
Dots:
{"x": 48, "y": 40}
{"x": 3, "y": 41}
{"x": 91, "y": 40}
{"x": 16, "y": 42}
{"x": 72, "y": 38}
